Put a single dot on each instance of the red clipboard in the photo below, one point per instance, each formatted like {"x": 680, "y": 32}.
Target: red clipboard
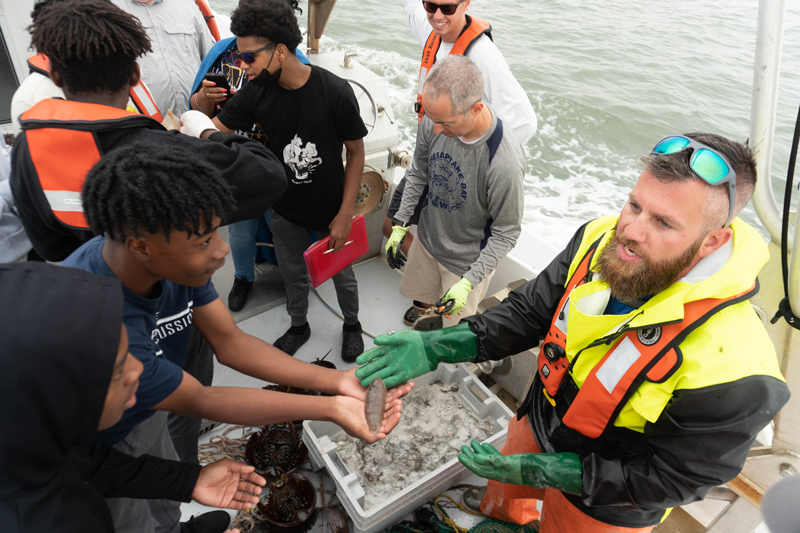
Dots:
{"x": 323, "y": 263}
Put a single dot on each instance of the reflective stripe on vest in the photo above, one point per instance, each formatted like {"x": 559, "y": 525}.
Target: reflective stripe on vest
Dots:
{"x": 141, "y": 96}
{"x": 639, "y": 354}
{"x": 63, "y": 150}
{"x": 474, "y": 29}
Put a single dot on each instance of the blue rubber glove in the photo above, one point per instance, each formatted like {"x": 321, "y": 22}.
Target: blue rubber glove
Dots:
{"x": 458, "y": 295}
{"x": 394, "y": 256}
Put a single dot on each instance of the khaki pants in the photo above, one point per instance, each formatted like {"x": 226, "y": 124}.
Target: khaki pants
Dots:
{"x": 425, "y": 280}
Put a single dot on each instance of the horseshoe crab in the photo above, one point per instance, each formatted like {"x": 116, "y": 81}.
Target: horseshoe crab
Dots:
{"x": 289, "y": 501}
{"x": 276, "y": 447}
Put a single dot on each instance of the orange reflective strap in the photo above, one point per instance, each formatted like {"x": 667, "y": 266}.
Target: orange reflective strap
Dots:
{"x": 39, "y": 63}
{"x": 644, "y": 353}
{"x": 471, "y": 33}
{"x": 63, "y": 152}
{"x": 144, "y": 101}
{"x": 62, "y": 159}
{"x": 552, "y": 361}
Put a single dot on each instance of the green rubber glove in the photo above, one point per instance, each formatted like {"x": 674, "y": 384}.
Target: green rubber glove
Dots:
{"x": 458, "y": 295}
{"x": 394, "y": 256}
{"x": 404, "y": 355}
{"x": 560, "y": 471}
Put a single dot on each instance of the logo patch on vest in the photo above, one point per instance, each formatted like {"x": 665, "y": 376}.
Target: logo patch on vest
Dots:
{"x": 545, "y": 371}
{"x": 649, "y": 336}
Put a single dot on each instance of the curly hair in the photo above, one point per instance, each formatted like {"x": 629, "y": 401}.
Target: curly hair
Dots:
{"x": 92, "y": 44}
{"x": 153, "y": 188}
{"x": 270, "y": 21}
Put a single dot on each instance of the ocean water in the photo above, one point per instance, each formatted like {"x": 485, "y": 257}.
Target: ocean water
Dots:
{"x": 607, "y": 80}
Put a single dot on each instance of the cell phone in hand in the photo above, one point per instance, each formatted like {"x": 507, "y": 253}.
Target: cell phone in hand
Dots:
{"x": 219, "y": 81}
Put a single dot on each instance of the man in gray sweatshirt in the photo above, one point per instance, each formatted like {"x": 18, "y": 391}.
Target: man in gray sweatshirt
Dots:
{"x": 471, "y": 168}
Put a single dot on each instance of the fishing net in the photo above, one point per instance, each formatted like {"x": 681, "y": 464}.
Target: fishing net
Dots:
{"x": 490, "y": 525}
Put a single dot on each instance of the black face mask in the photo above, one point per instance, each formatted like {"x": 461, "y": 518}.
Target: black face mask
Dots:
{"x": 267, "y": 80}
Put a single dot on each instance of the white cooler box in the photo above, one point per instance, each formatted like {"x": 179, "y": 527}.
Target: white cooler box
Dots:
{"x": 478, "y": 399}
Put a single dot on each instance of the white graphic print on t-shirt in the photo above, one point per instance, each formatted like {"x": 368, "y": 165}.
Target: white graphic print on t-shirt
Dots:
{"x": 302, "y": 160}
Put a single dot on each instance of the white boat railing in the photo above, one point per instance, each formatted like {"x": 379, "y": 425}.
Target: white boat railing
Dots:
{"x": 763, "y": 111}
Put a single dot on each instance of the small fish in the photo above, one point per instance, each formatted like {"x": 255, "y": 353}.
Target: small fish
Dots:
{"x": 375, "y": 404}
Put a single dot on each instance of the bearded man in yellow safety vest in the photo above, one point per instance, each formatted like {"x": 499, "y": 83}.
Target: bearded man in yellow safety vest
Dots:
{"x": 654, "y": 374}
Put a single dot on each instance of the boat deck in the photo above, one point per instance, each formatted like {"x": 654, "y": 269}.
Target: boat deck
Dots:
{"x": 381, "y": 311}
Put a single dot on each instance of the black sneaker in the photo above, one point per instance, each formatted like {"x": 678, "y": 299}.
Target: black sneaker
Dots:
{"x": 290, "y": 342}
{"x": 212, "y": 522}
{"x": 238, "y": 295}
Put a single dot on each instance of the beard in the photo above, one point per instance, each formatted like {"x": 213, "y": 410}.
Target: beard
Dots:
{"x": 633, "y": 281}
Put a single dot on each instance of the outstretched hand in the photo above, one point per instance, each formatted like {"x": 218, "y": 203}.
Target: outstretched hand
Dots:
{"x": 349, "y": 414}
{"x": 485, "y": 461}
{"x": 562, "y": 471}
{"x": 350, "y": 386}
{"x": 397, "y": 357}
{"x": 228, "y": 484}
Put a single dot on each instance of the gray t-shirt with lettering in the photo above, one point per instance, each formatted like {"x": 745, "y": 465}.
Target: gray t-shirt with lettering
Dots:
{"x": 475, "y": 197}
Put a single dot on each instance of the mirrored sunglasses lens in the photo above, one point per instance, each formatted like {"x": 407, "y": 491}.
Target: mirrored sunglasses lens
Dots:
{"x": 709, "y": 166}
{"x": 248, "y": 57}
{"x": 670, "y": 145}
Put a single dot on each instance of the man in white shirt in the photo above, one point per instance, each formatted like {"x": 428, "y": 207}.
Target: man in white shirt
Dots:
{"x": 180, "y": 40}
{"x": 501, "y": 90}
{"x": 459, "y": 33}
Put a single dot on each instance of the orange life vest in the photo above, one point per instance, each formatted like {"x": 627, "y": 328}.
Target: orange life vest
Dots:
{"x": 650, "y": 353}
{"x": 471, "y": 33}
{"x": 63, "y": 148}
{"x": 139, "y": 93}
{"x": 208, "y": 15}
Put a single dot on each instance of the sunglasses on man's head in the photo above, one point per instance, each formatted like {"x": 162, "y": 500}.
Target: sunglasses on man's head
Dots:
{"x": 708, "y": 164}
{"x": 250, "y": 57}
{"x": 446, "y": 9}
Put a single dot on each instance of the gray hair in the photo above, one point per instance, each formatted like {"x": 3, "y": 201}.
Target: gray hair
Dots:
{"x": 675, "y": 167}
{"x": 459, "y": 78}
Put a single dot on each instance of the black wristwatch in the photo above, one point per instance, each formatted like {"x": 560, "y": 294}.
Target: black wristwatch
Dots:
{"x": 400, "y": 223}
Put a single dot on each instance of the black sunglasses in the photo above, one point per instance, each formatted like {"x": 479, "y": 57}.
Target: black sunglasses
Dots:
{"x": 250, "y": 57}
{"x": 446, "y": 9}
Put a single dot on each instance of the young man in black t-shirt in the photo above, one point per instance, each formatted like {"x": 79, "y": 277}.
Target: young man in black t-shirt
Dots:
{"x": 308, "y": 114}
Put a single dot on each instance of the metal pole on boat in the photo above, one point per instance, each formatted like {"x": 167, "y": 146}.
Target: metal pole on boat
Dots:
{"x": 766, "y": 75}
{"x": 319, "y": 11}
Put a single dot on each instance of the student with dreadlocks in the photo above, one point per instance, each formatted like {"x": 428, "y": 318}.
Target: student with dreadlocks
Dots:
{"x": 38, "y": 86}
{"x": 159, "y": 209}
{"x": 92, "y": 46}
